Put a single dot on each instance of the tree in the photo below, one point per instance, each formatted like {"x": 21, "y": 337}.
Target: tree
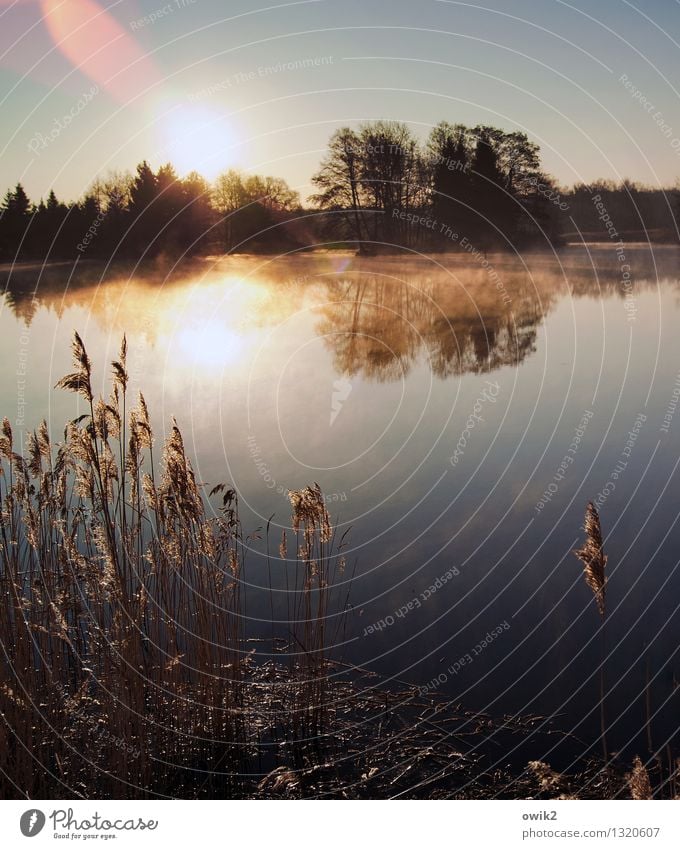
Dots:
{"x": 56, "y": 228}
{"x": 339, "y": 181}
{"x": 15, "y": 218}
{"x": 389, "y": 173}
{"x": 449, "y": 162}
{"x": 518, "y": 159}
{"x": 229, "y": 195}
{"x": 168, "y": 204}
{"x": 506, "y": 174}
{"x": 272, "y": 192}
{"x": 144, "y": 189}
{"x": 116, "y": 192}
{"x": 377, "y": 169}
{"x": 143, "y": 193}
{"x": 197, "y": 217}
{"x": 486, "y": 160}
{"x": 17, "y": 203}
{"x": 491, "y": 200}
{"x": 113, "y": 195}
{"x": 251, "y": 206}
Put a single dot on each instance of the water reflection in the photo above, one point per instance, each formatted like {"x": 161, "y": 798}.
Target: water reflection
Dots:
{"x": 247, "y": 353}
{"x": 377, "y": 328}
{"x": 378, "y": 317}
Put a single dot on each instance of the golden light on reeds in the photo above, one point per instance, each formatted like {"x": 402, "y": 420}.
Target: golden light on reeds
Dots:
{"x": 638, "y": 781}
{"x": 131, "y": 593}
{"x": 593, "y": 558}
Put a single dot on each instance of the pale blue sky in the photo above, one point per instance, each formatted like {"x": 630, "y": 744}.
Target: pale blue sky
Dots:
{"x": 549, "y": 68}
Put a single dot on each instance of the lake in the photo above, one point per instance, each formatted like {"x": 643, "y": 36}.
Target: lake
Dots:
{"x": 458, "y": 411}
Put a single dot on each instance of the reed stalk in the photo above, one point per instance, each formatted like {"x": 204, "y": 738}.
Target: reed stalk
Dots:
{"x": 594, "y": 562}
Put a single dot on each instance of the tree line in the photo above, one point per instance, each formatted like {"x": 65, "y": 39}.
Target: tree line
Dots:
{"x": 479, "y": 186}
{"x": 149, "y": 214}
{"x": 638, "y": 213}
{"x": 377, "y": 188}
{"x": 380, "y": 186}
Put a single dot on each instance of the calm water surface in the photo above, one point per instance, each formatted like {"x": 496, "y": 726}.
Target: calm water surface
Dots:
{"x": 458, "y": 417}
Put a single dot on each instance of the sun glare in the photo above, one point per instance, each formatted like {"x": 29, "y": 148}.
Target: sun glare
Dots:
{"x": 228, "y": 334}
{"x": 212, "y": 345}
{"x": 196, "y": 138}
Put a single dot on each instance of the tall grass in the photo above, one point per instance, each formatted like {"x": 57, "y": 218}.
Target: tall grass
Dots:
{"x": 123, "y": 654}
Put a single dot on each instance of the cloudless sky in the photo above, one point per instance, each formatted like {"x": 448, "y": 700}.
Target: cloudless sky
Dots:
{"x": 213, "y": 85}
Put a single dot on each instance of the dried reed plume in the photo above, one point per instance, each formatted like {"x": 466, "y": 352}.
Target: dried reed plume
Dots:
{"x": 593, "y": 558}
{"x": 123, "y": 652}
{"x": 594, "y": 561}
{"x": 320, "y": 561}
{"x": 549, "y": 780}
{"x": 638, "y": 781}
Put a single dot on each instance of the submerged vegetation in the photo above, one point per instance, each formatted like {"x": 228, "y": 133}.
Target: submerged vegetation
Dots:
{"x": 127, "y": 669}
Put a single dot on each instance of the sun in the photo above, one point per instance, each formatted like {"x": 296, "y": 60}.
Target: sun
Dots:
{"x": 196, "y": 138}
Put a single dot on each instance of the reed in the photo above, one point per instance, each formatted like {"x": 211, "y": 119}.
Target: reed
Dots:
{"x": 638, "y": 781}
{"x": 593, "y": 557}
{"x": 124, "y": 659}
{"x": 318, "y": 561}
{"x": 594, "y": 562}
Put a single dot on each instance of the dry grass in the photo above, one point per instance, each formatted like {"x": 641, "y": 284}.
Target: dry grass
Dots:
{"x": 119, "y": 599}
{"x": 121, "y": 620}
{"x": 593, "y": 558}
{"x": 638, "y": 781}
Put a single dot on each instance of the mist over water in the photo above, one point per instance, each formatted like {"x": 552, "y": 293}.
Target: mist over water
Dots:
{"x": 458, "y": 413}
